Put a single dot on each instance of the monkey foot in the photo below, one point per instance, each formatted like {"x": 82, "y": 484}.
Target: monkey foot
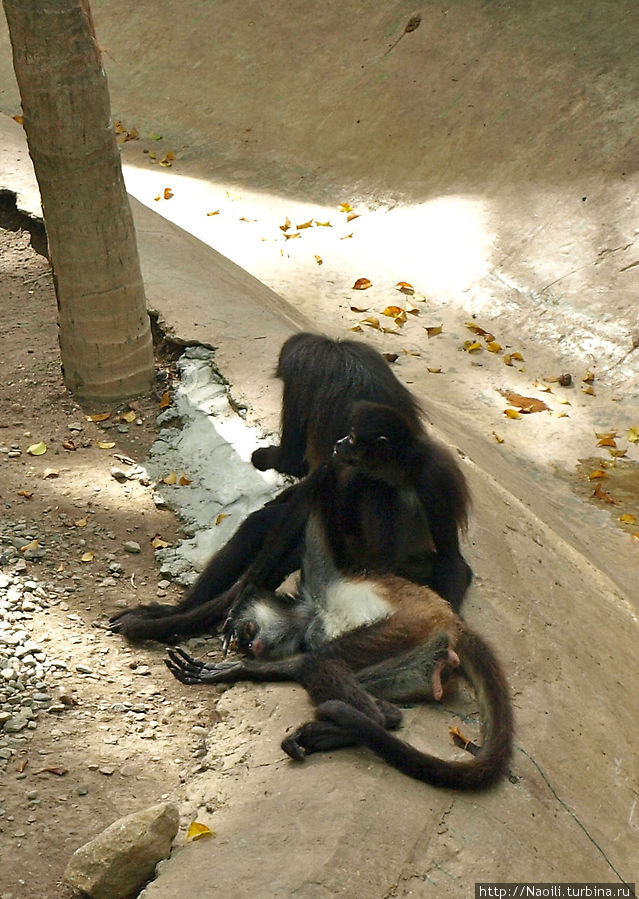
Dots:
{"x": 191, "y": 671}
{"x": 317, "y": 736}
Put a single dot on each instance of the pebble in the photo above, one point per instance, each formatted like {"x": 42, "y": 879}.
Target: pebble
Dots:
{"x": 132, "y": 547}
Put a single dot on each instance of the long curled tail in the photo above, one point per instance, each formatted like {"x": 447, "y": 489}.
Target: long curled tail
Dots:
{"x": 481, "y": 668}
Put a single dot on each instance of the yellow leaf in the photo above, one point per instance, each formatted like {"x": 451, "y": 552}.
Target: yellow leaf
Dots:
{"x": 346, "y": 236}
{"x": 50, "y": 473}
{"x": 434, "y": 330}
{"x": 355, "y": 328}
{"x": 220, "y": 518}
{"x": 106, "y": 444}
{"x": 511, "y": 413}
{"x": 435, "y": 371}
{"x": 216, "y": 212}
{"x": 291, "y": 236}
{"x": 410, "y": 308}
{"x": 392, "y": 311}
{"x": 617, "y": 453}
{"x": 597, "y": 475}
{"x": 628, "y": 518}
{"x": 129, "y": 416}
{"x": 102, "y": 416}
{"x": 353, "y": 215}
{"x": 307, "y": 224}
{"x": 527, "y": 404}
{"x": 159, "y": 543}
{"x": 371, "y": 321}
{"x": 345, "y": 207}
{"x": 33, "y": 545}
{"x": 319, "y": 259}
{"x": 27, "y": 494}
{"x": 633, "y": 435}
{"x": 588, "y": 389}
{"x": 323, "y": 224}
{"x": 362, "y": 284}
{"x": 196, "y": 831}
{"x": 81, "y": 523}
{"x": 600, "y": 493}
{"x": 168, "y": 193}
{"x": 607, "y": 440}
{"x": 165, "y": 402}
{"x": 509, "y": 358}
{"x": 184, "y": 480}
{"x": 87, "y": 557}
{"x": 558, "y": 414}
{"x": 405, "y": 287}
{"x": 286, "y": 225}
{"x": 358, "y": 308}
{"x": 588, "y": 378}
{"x": 493, "y": 347}
{"x": 169, "y": 478}
{"x": 410, "y": 352}
{"x": 37, "y": 449}
{"x": 19, "y": 119}
{"x": 605, "y": 435}
{"x": 497, "y": 437}
{"x": 472, "y": 346}
{"x": 167, "y": 162}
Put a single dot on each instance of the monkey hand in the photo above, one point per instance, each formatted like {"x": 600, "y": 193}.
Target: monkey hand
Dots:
{"x": 191, "y": 671}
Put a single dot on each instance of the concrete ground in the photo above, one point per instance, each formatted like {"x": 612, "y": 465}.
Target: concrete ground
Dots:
{"x": 490, "y": 154}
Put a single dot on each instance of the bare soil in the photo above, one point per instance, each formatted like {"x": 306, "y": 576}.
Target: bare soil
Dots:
{"x": 125, "y": 736}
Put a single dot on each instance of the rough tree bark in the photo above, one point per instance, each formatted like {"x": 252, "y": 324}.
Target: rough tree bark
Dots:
{"x": 105, "y": 336}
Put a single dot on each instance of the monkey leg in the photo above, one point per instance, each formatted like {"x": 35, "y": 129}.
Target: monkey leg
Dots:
{"x": 417, "y": 674}
{"x": 451, "y": 577}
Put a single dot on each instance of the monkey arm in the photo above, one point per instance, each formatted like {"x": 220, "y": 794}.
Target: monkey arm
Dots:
{"x": 191, "y": 671}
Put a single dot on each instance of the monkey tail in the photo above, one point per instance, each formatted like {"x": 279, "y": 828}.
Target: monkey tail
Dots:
{"x": 482, "y": 670}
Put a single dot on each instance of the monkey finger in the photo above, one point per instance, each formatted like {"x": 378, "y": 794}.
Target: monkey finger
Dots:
{"x": 180, "y": 675}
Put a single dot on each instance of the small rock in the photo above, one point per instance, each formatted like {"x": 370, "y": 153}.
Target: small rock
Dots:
{"x": 132, "y": 547}
{"x": 119, "y": 861}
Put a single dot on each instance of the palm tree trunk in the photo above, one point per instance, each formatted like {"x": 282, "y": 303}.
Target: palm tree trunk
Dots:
{"x": 105, "y": 336}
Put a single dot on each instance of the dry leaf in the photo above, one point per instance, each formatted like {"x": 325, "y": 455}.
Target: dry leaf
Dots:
{"x": 81, "y": 523}
{"x": 319, "y": 259}
{"x": 434, "y": 371}
{"x": 371, "y": 321}
{"x": 59, "y": 771}
{"x": 87, "y": 557}
{"x": 359, "y": 308}
{"x": 69, "y": 445}
{"x": 405, "y": 287}
{"x": 33, "y": 545}
{"x": 215, "y": 212}
{"x": 509, "y": 358}
{"x": 392, "y": 311}
{"x": 493, "y": 347}
{"x": 27, "y": 494}
{"x": 413, "y": 310}
{"x": 597, "y": 474}
{"x": 102, "y": 416}
{"x": 588, "y": 389}
{"x": 410, "y": 352}
{"x": 129, "y": 416}
{"x": 346, "y": 236}
{"x": 434, "y": 330}
{"x": 607, "y": 440}
{"x": 618, "y": 453}
{"x": 286, "y": 225}
{"x": 37, "y": 449}
{"x": 22, "y": 765}
{"x": 600, "y": 493}
{"x": 196, "y": 831}
{"x": 304, "y": 225}
{"x": 184, "y": 481}
{"x": 511, "y": 413}
{"x": 497, "y": 437}
{"x": 169, "y": 478}
{"x": 633, "y": 435}
{"x": 362, "y": 284}
{"x": 220, "y": 518}
{"x": 455, "y": 732}
{"x": 588, "y": 378}
{"x": 106, "y": 444}
{"x": 19, "y": 119}
{"x": 159, "y": 543}
{"x": 345, "y": 207}
{"x": 167, "y": 161}
{"x": 478, "y": 330}
{"x": 605, "y": 435}
{"x": 168, "y": 193}
{"x": 390, "y": 357}
{"x": 323, "y": 224}
{"x": 165, "y": 402}
{"x": 628, "y": 518}
{"x": 353, "y": 215}
{"x": 292, "y": 235}
{"x": 526, "y": 404}
{"x": 50, "y": 473}
{"x": 472, "y": 346}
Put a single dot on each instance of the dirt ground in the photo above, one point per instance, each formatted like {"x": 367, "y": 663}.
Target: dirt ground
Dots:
{"x": 124, "y": 736}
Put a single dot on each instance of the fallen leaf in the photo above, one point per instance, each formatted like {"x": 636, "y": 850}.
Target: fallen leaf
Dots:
{"x": 588, "y": 389}
{"x": 600, "y": 493}
{"x": 169, "y": 478}
{"x": 557, "y": 414}
{"x": 101, "y": 416}
{"x": 323, "y": 224}
{"x": 304, "y": 225}
{"x": 633, "y": 435}
{"x": 543, "y": 387}
{"x": 352, "y": 216}
{"x": 165, "y": 402}
{"x": 53, "y": 769}
{"x": 33, "y": 545}
{"x": 319, "y": 259}
{"x": 81, "y": 523}
{"x": 215, "y": 212}
{"x": 168, "y": 193}
{"x": 588, "y": 378}
{"x": 509, "y": 358}
{"x": 355, "y": 328}
{"x": 292, "y": 235}
{"x": 411, "y": 352}
{"x": 196, "y": 831}
{"x": 346, "y": 236}
{"x": 167, "y": 162}
{"x": 87, "y": 557}
{"x": 220, "y": 518}
{"x": 154, "y": 136}
{"x": 455, "y": 732}
{"x": 511, "y": 413}
{"x": 106, "y": 444}
{"x": 22, "y": 765}
{"x": 158, "y": 543}
{"x": 362, "y": 284}
{"x": 345, "y": 207}
{"x": 392, "y": 311}
{"x": 493, "y": 347}
{"x": 526, "y": 404}
{"x": 50, "y": 473}
{"x": 597, "y": 474}
{"x": 27, "y": 494}
{"x": 497, "y": 437}
{"x": 19, "y": 119}
{"x": 129, "y": 416}
{"x": 413, "y": 310}
{"x": 358, "y": 308}
{"x": 628, "y": 518}
{"x": 433, "y": 330}
{"x": 184, "y": 481}
{"x": 372, "y": 322}
{"x": 37, "y": 449}
{"x": 434, "y": 371}
{"x": 390, "y": 357}
{"x": 286, "y": 225}
{"x": 472, "y": 346}
{"x": 69, "y": 445}
{"x": 405, "y": 287}
{"x": 617, "y": 453}
{"x": 478, "y": 330}
{"x": 605, "y": 435}
{"x": 607, "y": 440}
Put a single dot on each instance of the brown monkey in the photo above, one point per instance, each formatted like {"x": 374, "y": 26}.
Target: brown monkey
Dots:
{"x": 359, "y": 642}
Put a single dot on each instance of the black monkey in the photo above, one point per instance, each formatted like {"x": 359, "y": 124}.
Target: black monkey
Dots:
{"x": 410, "y": 529}
{"x": 359, "y": 642}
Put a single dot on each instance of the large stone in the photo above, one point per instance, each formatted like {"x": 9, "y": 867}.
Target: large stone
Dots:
{"x": 120, "y": 860}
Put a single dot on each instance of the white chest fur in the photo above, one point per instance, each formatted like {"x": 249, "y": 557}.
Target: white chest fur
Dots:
{"x": 351, "y": 604}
